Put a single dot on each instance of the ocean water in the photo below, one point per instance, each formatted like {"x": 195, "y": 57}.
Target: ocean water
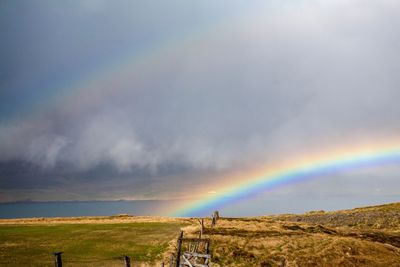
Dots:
{"x": 86, "y": 208}
{"x": 256, "y": 206}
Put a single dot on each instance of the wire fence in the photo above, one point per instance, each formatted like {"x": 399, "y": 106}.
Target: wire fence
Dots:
{"x": 188, "y": 252}
{"x": 126, "y": 261}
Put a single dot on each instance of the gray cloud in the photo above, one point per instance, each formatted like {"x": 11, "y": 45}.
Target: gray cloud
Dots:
{"x": 45, "y": 150}
{"x": 275, "y": 82}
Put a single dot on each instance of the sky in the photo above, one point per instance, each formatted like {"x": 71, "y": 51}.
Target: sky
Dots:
{"x": 138, "y": 100}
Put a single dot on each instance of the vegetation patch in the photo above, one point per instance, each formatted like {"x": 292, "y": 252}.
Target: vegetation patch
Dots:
{"x": 84, "y": 244}
{"x": 360, "y": 237}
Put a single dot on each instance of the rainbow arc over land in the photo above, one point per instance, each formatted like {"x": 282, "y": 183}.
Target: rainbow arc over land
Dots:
{"x": 129, "y": 65}
{"x": 273, "y": 179}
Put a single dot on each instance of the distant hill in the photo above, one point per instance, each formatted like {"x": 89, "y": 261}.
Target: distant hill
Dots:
{"x": 373, "y": 217}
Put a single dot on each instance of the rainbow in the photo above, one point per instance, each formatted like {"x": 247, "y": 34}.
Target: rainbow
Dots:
{"x": 289, "y": 175}
{"x": 124, "y": 66}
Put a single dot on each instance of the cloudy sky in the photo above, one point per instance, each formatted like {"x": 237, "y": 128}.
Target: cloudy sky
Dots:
{"x": 104, "y": 100}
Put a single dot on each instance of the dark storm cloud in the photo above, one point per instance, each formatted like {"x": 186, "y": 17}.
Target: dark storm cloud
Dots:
{"x": 258, "y": 86}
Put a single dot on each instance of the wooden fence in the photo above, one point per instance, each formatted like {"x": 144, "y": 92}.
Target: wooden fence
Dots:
{"x": 192, "y": 252}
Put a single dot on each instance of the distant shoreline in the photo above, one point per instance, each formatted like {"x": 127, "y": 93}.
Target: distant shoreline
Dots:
{"x": 121, "y": 218}
{"x": 126, "y": 218}
{"x": 53, "y": 209}
{"x": 84, "y": 201}
{"x": 67, "y": 209}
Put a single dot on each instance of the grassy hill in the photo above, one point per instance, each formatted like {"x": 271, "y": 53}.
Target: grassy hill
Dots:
{"x": 368, "y": 236}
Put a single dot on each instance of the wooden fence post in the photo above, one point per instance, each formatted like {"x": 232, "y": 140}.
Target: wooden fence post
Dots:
{"x": 178, "y": 249}
{"x": 171, "y": 261}
{"x": 213, "y": 221}
{"x": 216, "y": 213}
{"x": 215, "y": 217}
{"x": 127, "y": 261}
{"x": 208, "y": 247}
{"x": 201, "y": 222}
{"x": 57, "y": 259}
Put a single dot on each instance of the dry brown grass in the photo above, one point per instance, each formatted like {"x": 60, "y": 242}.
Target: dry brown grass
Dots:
{"x": 386, "y": 217}
{"x": 313, "y": 239}
{"x": 279, "y": 244}
{"x": 94, "y": 219}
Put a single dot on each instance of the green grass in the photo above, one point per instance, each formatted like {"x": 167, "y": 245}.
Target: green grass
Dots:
{"x": 84, "y": 244}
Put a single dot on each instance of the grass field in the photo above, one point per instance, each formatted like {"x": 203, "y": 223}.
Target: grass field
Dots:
{"x": 367, "y": 236}
{"x": 94, "y": 244}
